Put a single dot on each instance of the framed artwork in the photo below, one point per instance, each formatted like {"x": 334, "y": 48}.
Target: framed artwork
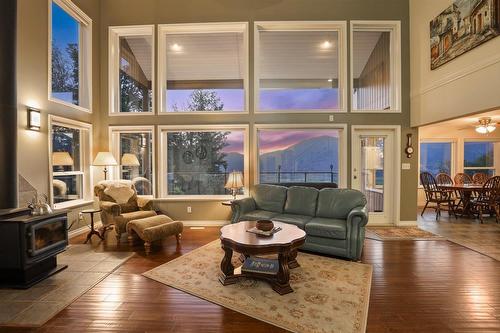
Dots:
{"x": 461, "y": 27}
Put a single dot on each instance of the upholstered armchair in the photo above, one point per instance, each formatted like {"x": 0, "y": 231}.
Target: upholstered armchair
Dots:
{"x": 120, "y": 204}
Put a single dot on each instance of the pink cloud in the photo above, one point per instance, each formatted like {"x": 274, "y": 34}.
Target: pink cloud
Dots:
{"x": 272, "y": 140}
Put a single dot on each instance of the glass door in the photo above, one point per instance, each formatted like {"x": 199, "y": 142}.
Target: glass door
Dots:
{"x": 373, "y": 172}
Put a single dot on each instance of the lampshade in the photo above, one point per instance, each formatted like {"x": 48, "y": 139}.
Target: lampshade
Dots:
{"x": 61, "y": 158}
{"x": 234, "y": 180}
{"x": 130, "y": 160}
{"x": 104, "y": 158}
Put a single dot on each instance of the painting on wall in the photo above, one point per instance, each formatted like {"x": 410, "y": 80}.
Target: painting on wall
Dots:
{"x": 461, "y": 27}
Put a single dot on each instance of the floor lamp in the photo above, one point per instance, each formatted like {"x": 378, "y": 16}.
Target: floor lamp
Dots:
{"x": 105, "y": 159}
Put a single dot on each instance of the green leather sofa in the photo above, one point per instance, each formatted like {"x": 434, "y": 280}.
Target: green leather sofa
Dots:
{"x": 333, "y": 219}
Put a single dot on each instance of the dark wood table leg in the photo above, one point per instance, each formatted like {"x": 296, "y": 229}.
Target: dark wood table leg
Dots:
{"x": 292, "y": 261}
{"x": 92, "y": 230}
{"x": 282, "y": 282}
{"x": 226, "y": 275}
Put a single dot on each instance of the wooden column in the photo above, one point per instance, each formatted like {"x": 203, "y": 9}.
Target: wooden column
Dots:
{"x": 8, "y": 104}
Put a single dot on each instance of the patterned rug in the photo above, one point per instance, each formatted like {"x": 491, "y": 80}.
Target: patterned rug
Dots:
{"x": 330, "y": 295}
{"x": 403, "y": 233}
{"x": 34, "y": 306}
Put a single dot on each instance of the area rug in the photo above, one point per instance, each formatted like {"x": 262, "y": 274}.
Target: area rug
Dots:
{"x": 330, "y": 295}
{"x": 401, "y": 233}
{"x": 35, "y": 306}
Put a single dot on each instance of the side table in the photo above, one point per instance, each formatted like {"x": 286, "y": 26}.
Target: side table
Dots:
{"x": 92, "y": 231}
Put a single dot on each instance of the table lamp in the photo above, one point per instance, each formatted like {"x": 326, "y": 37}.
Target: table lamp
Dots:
{"x": 234, "y": 182}
{"x": 61, "y": 159}
{"x": 105, "y": 159}
{"x": 130, "y": 160}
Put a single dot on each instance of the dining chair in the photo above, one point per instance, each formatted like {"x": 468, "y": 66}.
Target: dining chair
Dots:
{"x": 444, "y": 179}
{"x": 480, "y": 178}
{"x": 462, "y": 178}
{"x": 433, "y": 194}
{"x": 488, "y": 199}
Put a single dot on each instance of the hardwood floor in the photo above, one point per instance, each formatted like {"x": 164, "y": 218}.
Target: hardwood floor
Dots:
{"x": 418, "y": 286}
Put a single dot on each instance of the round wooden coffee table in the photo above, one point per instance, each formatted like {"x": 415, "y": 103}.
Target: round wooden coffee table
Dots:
{"x": 284, "y": 243}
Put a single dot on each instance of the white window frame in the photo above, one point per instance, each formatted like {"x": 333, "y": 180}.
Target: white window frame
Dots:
{"x": 454, "y": 154}
{"x": 198, "y": 28}
{"x": 394, "y": 27}
{"x": 114, "y": 34}
{"x": 163, "y": 169}
{"x": 338, "y": 26}
{"x": 342, "y": 145}
{"x": 85, "y": 161}
{"x": 85, "y": 54}
{"x": 495, "y": 158}
{"x": 114, "y": 147}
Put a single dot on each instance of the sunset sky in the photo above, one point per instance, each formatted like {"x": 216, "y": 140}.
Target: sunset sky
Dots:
{"x": 271, "y": 140}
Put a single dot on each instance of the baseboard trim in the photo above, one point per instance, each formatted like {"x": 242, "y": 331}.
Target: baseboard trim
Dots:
{"x": 407, "y": 224}
{"x": 82, "y": 230}
{"x": 205, "y": 223}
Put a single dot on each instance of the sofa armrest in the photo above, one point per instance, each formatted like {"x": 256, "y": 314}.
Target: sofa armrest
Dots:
{"x": 145, "y": 202}
{"x": 241, "y": 207}
{"x": 111, "y": 208}
{"x": 356, "y": 222}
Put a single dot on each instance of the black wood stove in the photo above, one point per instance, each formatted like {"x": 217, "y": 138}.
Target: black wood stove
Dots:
{"x": 29, "y": 246}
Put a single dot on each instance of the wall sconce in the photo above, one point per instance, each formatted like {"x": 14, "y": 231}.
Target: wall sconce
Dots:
{"x": 34, "y": 119}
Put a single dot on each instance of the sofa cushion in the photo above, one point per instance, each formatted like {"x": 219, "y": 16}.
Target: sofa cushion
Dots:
{"x": 327, "y": 228}
{"x": 337, "y": 203}
{"x": 301, "y": 200}
{"x": 258, "y": 215}
{"x": 270, "y": 197}
{"x": 298, "y": 220}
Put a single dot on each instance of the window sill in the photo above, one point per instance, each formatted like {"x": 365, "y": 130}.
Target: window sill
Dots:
{"x": 199, "y": 198}
{"x": 72, "y": 204}
{"x": 70, "y": 105}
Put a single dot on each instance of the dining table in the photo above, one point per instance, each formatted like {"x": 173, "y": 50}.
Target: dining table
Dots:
{"x": 466, "y": 191}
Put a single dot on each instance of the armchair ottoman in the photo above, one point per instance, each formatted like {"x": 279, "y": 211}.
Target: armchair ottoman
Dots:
{"x": 154, "y": 228}
{"x": 120, "y": 204}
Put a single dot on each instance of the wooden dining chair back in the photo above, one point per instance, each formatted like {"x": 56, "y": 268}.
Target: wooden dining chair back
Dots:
{"x": 480, "y": 178}
{"x": 433, "y": 194}
{"x": 462, "y": 178}
{"x": 444, "y": 179}
{"x": 488, "y": 199}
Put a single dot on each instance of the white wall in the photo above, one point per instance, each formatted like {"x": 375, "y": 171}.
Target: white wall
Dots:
{"x": 466, "y": 85}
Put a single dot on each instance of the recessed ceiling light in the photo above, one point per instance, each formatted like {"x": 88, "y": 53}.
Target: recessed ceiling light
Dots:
{"x": 326, "y": 44}
{"x": 176, "y": 47}
{"x": 330, "y": 80}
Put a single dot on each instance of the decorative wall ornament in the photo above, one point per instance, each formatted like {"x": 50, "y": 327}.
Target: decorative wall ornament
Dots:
{"x": 461, "y": 27}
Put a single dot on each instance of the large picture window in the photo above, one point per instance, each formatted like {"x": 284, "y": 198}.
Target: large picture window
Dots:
{"x": 69, "y": 150}
{"x": 70, "y": 55}
{"x": 198, "y": 161}
{"x": 436, "y": 157}
{"x": 299, "y": 66}
{"x": 203, "y": 67}
{"x": 299, "y": 155}
{"x": 131, "y": 65}
{"x": 135, "y": 147}
{"x": 479, "y": 157}
{"x": 375, "y": 66}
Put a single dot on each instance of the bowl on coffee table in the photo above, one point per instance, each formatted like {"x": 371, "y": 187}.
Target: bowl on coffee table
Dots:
{"x": 264, "y": 225}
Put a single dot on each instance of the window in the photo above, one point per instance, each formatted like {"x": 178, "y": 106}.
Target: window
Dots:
{"x": 70, "y": 55}
{"x": 302, "y": 155}
{"x": 479, "y": 157}
{"x": 203, "y": 67}
{"x": 375, "y": 66}
{"x": 299, "y": 66}
{"x": 436, "y": 157}
{"x": 70, "y": 161}
{"x": 135, "y": 148}
{"x": 131, "y": 65}
{"x": 197, "y": 161}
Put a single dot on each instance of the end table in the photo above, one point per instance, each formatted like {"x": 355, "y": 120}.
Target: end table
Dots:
{"x": 92, "y": 231}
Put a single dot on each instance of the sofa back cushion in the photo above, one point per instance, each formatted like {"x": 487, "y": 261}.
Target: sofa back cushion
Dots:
{"x": 301, "y": 200}
{"x": 337, "y": 203}
{"x": 269, "y": 197}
